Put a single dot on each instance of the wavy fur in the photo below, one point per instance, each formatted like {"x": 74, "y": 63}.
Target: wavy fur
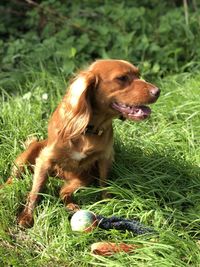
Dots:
{"x": 77, "y": 105}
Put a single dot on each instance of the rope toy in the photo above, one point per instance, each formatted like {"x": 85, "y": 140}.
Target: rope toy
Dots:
{"x": 86, "y": 221}
{"x": 122, "y": 224}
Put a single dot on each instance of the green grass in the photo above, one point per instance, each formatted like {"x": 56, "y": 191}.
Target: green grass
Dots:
{"x": 155, "y": 179}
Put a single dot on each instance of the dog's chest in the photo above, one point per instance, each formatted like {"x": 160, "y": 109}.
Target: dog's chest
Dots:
{"x": 76, "y": 155}
{"x": 83, "y": 153}
{"x": 77, "y": 161}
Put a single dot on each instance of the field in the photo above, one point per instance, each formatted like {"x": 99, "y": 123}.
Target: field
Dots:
{"x": 155, "y": 178}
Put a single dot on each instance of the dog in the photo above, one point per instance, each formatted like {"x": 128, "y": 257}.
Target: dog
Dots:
{"x": 79, "y": 146}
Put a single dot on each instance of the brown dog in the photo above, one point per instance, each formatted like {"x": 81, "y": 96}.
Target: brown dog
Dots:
{"x": 79, "y": 146}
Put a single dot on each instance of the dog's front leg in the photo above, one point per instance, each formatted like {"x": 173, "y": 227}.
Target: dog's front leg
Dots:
{"x": 74, "y": 182}
{"x": 42, "y": 167}
{"x": 67, "y": 191}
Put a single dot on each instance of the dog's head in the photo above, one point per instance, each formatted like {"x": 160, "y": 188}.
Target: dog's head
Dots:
{"x": 120, "y": 91}
{"x": 111, "y": 88}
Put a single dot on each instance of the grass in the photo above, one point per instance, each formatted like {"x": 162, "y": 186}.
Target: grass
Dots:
{"x": 155, "y": 179}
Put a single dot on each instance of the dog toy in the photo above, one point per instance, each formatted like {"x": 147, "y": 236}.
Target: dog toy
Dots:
{"x": 109, "y": 248}
{"x": 86, "y": 221}
{"x": 83, "y": 221}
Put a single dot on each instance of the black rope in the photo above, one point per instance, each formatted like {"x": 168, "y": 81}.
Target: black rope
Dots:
{"x": 123, "y": 224}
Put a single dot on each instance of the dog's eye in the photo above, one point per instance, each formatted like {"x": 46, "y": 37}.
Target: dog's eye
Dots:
{"x": 122, "y": 78}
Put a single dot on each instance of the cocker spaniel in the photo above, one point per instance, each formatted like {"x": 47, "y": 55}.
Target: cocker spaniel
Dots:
{"x": 79, "y": 146}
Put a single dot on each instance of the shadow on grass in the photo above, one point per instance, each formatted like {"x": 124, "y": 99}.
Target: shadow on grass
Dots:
{"x": 171, "y": 180}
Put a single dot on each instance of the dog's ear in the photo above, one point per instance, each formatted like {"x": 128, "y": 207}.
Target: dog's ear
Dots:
{"x": 77, "y": 104}
{"x": 80, "y": 88}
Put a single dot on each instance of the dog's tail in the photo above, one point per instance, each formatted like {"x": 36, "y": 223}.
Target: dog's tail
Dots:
{"x": 27, "y": 159}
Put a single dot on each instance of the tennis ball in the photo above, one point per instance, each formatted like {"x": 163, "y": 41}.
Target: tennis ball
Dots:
{"x": 83, "y": 221}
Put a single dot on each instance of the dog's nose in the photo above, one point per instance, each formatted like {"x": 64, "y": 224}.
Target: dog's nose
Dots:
{"x": 154, "y": 91}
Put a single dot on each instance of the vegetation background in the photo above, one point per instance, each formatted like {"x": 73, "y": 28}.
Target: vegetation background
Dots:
{"x": 156, "y": 176}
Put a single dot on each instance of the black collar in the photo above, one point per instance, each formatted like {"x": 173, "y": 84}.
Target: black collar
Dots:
{"x": 90, "y": 130}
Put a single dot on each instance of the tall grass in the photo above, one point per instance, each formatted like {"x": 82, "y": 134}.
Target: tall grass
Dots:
{"x": 155, "y": 179}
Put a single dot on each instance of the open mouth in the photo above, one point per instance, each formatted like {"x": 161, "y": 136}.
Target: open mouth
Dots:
{"x": 136, "y": 113}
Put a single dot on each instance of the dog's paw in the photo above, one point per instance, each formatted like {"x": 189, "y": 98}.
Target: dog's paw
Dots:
{"x": 72, "y": 207}
{"x": 25, "y": 220}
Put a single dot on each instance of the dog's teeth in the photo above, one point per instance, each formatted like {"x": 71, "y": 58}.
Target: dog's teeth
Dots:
{"x": 139, "y": 112}
{"x": 123, "y": 105}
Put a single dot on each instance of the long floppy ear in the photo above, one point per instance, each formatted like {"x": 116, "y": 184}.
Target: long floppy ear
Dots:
{"x": 77, "y": 105}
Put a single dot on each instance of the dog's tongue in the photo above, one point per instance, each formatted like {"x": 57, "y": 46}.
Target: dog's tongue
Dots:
{"x": 133, "y": 112}
{"x": 139, "y": 113}
{"x": 141, "y": 110}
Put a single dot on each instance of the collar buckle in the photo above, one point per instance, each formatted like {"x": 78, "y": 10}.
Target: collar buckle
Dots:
{"x": 90, "y": 130}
